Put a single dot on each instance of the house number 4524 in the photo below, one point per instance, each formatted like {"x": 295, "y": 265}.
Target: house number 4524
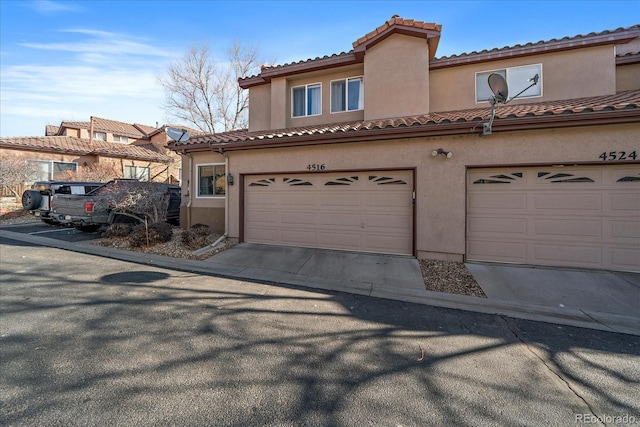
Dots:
{"x": 618, "y": 155}
{"x": 314, "y": 167}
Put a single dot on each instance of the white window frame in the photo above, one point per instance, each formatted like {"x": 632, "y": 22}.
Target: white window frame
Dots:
{"x": 121, "y": 139}
{"x": 306, "y": 98}
{"x": 197, "y": 181}
{"x": 137, "y": 170}
{"x": 100, "y": 136}
{"x": 360, "y": 98}
{"x": 514, "y": 85}
{"x": 49, "y": 164}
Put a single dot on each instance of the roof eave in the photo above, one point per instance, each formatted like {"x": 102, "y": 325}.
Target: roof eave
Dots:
{"x": 430, "y": 35}
{"x": 628, "y": 59}
{"x": 82, "y": 153}
{"x": 433, "y": 130}
{"x": 297, "y": 68}
{"x": 534, "y": 49}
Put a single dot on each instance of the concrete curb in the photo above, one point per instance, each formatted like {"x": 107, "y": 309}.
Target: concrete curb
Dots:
{"x": 558, "y": 315}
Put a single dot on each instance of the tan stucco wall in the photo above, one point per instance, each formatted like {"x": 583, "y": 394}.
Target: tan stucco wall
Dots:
{"x": 325, "y": 80}
{"x": 396, "y": 78}
{"x": 628, "y": 77}
{"x": 160, "y": 171}
{"x": 279, "y": 101}
{"x": 440, "y": 188}
{"x": 398, "y": 82}
{"x": 194, "y": 209}
{"x": 565, "y": 75}
{"x": 260, "y": 107}
{"x": 213, "y": 217}
{"x": 34, "y": 155}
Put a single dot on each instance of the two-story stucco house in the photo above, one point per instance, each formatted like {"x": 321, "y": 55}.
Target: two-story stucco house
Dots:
{"x": 380, "y": 150}
{"x": 76, "y": 148}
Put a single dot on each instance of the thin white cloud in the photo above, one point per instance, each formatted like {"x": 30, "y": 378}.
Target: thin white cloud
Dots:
{"x": 33, "y": 96}
{"x": 103, "y": 42}
{"x": 49, "y": 7}
{"x": 64, "y": 81}
{"x": 95, "y": 73}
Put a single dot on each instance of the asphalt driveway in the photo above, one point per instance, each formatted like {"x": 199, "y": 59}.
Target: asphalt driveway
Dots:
{"x": 98, "y": 341}
{"x": 585, "y": 298}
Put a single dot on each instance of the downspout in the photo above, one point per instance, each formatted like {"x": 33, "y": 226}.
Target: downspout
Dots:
{"x": 226, "y": 198}
{"x": 189, "y": 198}
{"x": 226, "y": 209}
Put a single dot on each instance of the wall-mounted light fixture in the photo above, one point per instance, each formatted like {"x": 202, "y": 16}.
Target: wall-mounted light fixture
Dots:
{"x": 230, "y": 179}
{"x": 448, "y": 154}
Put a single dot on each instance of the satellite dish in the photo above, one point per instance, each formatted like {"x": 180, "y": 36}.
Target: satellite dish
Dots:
{"x": 500, "y": 90}
{"x": 178, "y": 135}
{"x": 499, "y": 87}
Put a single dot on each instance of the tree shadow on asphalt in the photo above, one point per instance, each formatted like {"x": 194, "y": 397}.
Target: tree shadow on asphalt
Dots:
{"x": 179, "y": 348}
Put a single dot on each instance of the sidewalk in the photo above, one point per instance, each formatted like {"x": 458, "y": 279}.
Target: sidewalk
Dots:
{"x": 589, "y": 299}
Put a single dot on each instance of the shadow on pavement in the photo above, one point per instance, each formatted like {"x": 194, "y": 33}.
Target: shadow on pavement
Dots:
{"x": 161, "y": 347}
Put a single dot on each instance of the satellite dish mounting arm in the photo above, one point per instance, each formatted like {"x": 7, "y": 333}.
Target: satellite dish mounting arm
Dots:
{"x": 500, "y": 90}
{"x": 533, "y": 79}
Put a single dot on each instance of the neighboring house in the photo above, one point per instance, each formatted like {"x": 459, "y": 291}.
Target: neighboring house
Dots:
{"x": 351, "y": 152}
{"x": 104, "y": 147}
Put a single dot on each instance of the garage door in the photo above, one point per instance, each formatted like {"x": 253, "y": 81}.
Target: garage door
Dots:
{"x": 560, "y": 216}
{"x": 359, "y": 211}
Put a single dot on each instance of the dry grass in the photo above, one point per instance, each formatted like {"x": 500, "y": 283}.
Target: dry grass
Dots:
{"x": 11, "y": 212}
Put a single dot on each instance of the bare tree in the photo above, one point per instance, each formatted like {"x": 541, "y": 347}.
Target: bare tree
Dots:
{"x": 138, "y": 199}
{"x": 205, "y": 93}
{"x": 97, "y": 172}
{"x": 14, "y": 173}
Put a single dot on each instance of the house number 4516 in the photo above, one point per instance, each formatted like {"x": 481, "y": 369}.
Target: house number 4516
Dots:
{"x": 618, "y": 155}
{"x": 314, "y": 167}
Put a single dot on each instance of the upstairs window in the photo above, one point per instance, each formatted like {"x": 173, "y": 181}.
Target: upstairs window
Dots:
{"x": 306, "y": 100}
{"x": 100, "y": 135}
{"x": 119, "y": 138}
{"x": 346, "y": 95}
{"x": 518, "y": 78}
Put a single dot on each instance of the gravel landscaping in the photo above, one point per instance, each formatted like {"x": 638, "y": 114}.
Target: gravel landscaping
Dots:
{"x": 450, "y": 277}
{"x": 439, "y": 276}
{"x": 174, "y": 248}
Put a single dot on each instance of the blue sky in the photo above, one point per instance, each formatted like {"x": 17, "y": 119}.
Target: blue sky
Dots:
{"x": 69, "y": 60}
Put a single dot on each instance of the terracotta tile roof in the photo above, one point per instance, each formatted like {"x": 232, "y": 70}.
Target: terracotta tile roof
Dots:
{"x": 109, "y": 126}
{"x": 306, "y": 65}
{"x": 619, "y": 35}
{"x": 51, "y": 130}
{"x": 79, "y": 146}
{"x": 429, "y": 31}
{"x": 543, "y": 46}
{"x": 146, "y": 130}
{"x": 400, "y": 22}
{"x": 627, "y": 58}
{"x": 192, "y": 132}
{"x": 464, "y": 121}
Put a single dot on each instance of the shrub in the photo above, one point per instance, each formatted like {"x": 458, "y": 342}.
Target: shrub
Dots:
{"x": 159, "y": 232}
{"x": 196, "y": 237}
{"x": 118, "y": 230}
